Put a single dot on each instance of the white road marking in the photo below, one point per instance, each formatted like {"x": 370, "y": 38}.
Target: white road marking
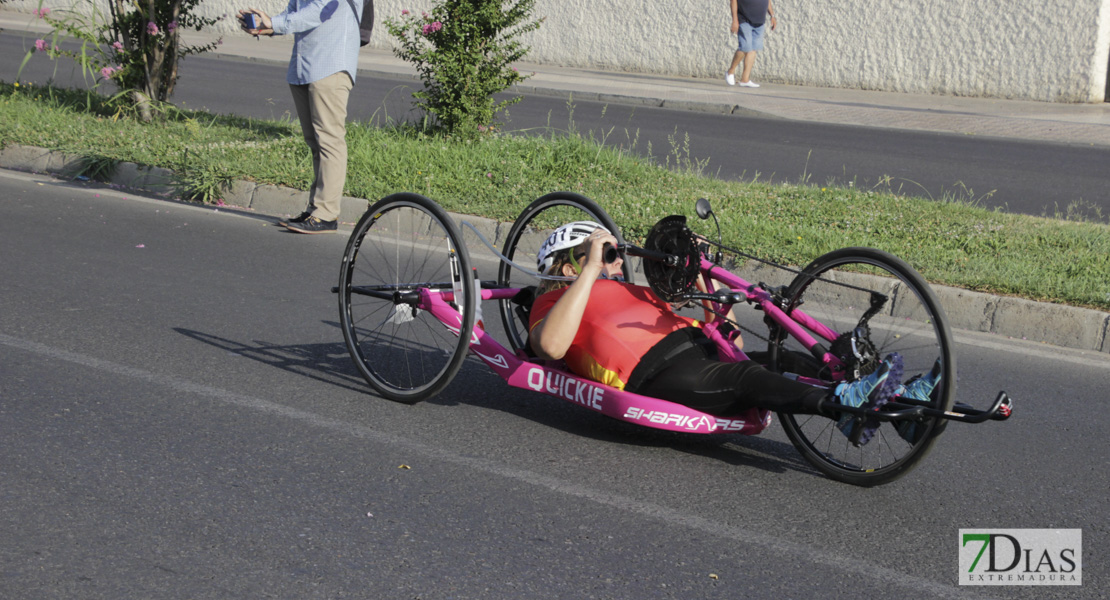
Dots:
{"x": 772, "y": 543}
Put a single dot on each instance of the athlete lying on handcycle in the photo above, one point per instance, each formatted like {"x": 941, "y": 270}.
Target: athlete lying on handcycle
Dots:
{"x": 409, "y": 304}
{"x": 627, "y": 337}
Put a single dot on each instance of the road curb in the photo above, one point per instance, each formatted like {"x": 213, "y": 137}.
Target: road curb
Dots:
{"x": 724, "y": 108}
{"x": 1053, "y": 324}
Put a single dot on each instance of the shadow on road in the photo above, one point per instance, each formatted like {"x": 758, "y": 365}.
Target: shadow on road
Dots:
{"x": 331, "y": 364}
{"x": 327, "y": 363}
{"x": 757, "y": 452}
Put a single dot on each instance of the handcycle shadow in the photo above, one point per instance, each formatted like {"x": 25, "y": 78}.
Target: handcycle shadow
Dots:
{"x": 330, "y": 363}
{"x": 327, "y": 363}
{"x": 757, "y": 452}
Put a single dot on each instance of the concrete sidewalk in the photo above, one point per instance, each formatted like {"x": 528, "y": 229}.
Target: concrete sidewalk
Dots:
{"x": 1087, "y": 124}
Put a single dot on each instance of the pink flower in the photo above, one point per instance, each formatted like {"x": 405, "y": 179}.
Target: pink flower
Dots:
{"x": 151, "y": 28}
{"x": 41, "y": 13}
{"x": 172, "y": 26}
{"x": 404, "y": 12}
{"x": 107, "y": 72}
{"x": 41, "y": 45}
{"x": 118, "y": 46}
{"x": 432, "y": 27}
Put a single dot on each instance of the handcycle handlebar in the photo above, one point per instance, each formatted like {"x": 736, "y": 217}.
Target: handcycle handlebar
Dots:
{"x": 612, "y": 253}
{"x": 722, "y": 297}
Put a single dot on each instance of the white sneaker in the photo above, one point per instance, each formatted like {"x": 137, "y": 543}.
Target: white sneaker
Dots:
{"x": 730, "y": 79}
{"x": 750, "y": 84}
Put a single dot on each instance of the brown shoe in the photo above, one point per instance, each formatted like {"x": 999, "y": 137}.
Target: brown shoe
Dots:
{"x": 313, "y": 225}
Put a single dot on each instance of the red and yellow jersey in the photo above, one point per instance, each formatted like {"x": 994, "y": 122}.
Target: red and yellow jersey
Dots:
{"x": 621, "y": 323}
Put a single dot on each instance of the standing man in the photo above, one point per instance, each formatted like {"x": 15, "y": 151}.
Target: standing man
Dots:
{"x": 321, "y": 75}
{"x": 748, "y": 22}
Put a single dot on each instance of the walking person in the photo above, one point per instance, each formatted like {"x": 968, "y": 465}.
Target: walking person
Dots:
{"x": 749, "y": 19}
{"x": 321, "y": 74}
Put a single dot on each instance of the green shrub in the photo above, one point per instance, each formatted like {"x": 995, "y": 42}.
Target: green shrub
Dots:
{"x": 464, "y": 52}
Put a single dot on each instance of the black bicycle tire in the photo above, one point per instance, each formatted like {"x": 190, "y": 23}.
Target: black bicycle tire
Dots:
{"x": 390, "y": 390}
{"x": 520, "y": 225}
{"x": 947, "y": 388}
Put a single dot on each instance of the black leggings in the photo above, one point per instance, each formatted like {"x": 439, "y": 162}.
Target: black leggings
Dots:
{"x": 724, "y": 389}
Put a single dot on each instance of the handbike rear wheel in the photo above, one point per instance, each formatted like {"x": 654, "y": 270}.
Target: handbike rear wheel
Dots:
{"x": 405, "y": 243}
{"x": 838, "y": 289}
{"x": 522, "y": 246}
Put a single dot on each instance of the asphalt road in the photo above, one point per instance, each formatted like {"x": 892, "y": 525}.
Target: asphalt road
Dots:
{"x": 179, "y": 419}
{"x": 1027, "y": 177}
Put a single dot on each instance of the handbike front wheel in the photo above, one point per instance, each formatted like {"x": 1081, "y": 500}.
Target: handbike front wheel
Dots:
{"x": 522, "y": 246}
{"x": 405, "y": 244}
{"x": 839, "y": 289}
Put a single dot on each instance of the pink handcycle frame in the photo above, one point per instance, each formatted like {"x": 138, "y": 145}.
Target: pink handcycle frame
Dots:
{"x": 547, "y": 377}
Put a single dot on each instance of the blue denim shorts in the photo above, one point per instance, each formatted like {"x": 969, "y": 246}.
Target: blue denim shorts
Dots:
{"x": 750, "y": 38}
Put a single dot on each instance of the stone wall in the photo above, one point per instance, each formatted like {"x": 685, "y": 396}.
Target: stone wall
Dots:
{"x": 1041, "y": 50}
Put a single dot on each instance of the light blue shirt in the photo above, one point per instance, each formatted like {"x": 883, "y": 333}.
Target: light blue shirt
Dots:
{"x": 325, "y": 38}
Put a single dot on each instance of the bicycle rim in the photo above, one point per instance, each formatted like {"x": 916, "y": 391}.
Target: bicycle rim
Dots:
{"x": 403, "y": 243}
{"x": 838, "y": 289}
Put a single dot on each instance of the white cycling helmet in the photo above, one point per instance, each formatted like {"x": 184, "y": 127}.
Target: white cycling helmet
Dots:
{"x": 567, "y": 236}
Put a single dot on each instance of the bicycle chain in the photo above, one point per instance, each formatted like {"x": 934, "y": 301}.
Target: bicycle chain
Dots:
{"x": 783, "y": 267}
{"x": 780, "y": 300}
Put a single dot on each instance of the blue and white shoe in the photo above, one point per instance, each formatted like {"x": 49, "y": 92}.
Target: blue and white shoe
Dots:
{"x": 870, "y": 392}
{"x": 919, "y": 388}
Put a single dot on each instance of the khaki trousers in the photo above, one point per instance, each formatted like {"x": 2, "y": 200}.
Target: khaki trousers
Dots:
{"x": 322, "y": 110}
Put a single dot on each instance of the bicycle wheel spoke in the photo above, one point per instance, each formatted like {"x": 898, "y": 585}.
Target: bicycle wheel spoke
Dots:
{"x": 401, "y": 245}
{"x": 838, "y": 290}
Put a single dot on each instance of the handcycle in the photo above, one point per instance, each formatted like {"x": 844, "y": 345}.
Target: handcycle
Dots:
{"x": 408, "y": 298}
